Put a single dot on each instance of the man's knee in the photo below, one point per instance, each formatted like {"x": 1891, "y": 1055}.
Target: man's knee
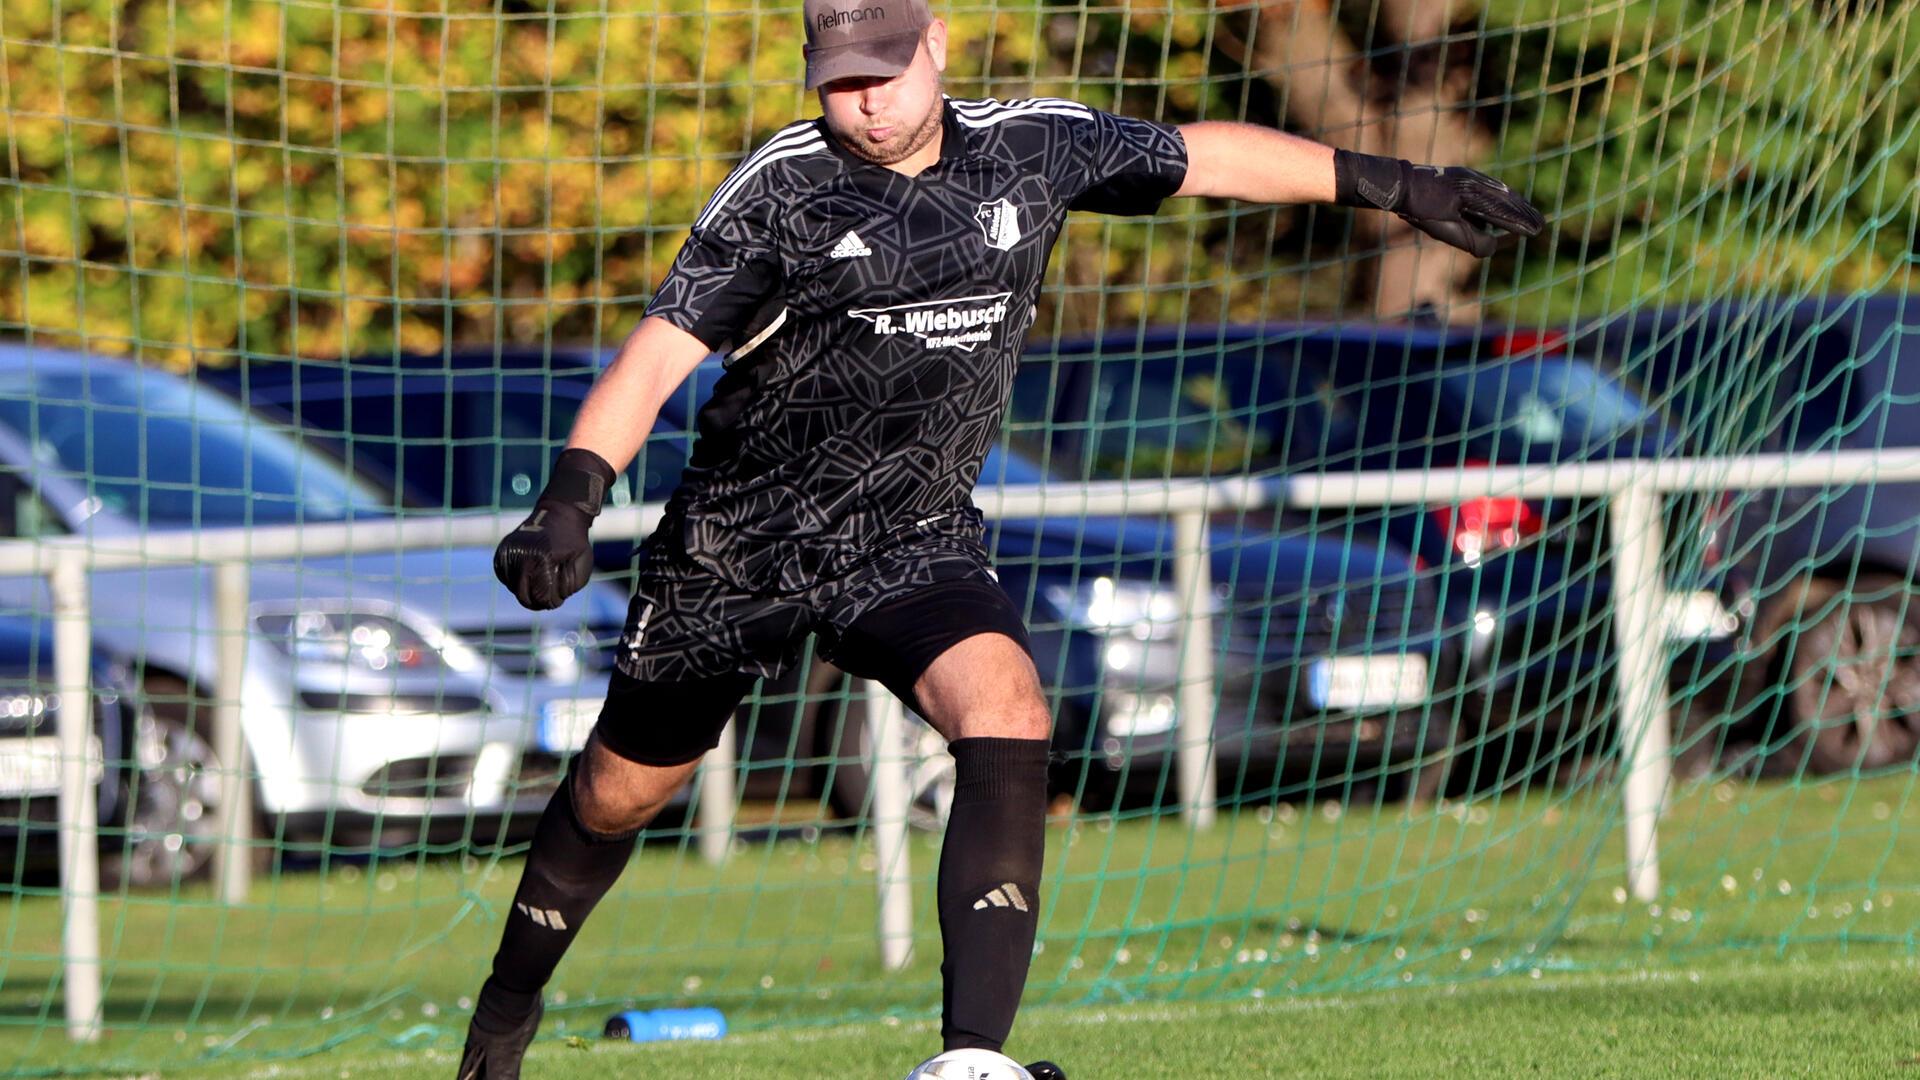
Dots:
{"x": 985, "y": 686}
{"x": 609, "y": 814}
{"x": 1030, "y": 719}
{"x": 614, "y": 796}
{"x": 1024, "y": 720}
{"x": 1019, "y": 718}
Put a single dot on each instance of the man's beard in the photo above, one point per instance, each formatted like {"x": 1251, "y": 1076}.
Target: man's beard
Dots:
{"x": 903, "y": 145}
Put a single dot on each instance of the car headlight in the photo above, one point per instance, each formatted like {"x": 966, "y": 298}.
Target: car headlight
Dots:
{"x": 27, "y": 706}
{"x": 1126, "y": 714}
{"x": 1139, "y": 627}
{"x": 1103, "y": 605}
{"x": 1699, "y": 616}
{"x": 567, "y": 654}
{"x": 356, "y": 639}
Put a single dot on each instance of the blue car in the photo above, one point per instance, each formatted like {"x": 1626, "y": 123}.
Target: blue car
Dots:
{"x": 1327, "y": 646}
{"x": 1827, "y": 677}
{"x": 1523, "y": 584}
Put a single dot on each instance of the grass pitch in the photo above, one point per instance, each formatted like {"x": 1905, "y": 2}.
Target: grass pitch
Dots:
{"x": 1490, "y": 937}
{"x": 1805, "y": 1017}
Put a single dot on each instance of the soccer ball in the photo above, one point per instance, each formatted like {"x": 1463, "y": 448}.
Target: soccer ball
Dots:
{"x": 969, "y": 1065}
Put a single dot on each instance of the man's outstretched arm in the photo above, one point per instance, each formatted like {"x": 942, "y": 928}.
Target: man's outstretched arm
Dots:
{"x": 1457, "y": 205}
{"x": 619, "y": 411}
{"x": 548, "y": 558}
{"x": 1226, "y": 160}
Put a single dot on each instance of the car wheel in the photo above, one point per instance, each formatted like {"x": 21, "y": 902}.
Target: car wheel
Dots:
{"x": 929, "y": 767}
{"x": 172, "y": 817}
{"x": 1854, "y": 680}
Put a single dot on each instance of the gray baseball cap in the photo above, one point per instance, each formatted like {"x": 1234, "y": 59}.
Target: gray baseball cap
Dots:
{"x": 862, "y": 38}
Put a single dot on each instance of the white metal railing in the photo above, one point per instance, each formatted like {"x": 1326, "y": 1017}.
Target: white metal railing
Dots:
{"x": 1633, "y": 487}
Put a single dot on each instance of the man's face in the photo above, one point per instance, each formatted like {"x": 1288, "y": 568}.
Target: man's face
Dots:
{"x": 886, "y": 121}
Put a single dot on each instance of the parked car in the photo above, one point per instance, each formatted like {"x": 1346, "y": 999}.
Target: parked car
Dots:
{"x": 387, "y": 695}
{"x": 473, "y": 431}
{"x": 1524, "y": 584}
{"x": 152, "y": 784}
{"x": 1327, "y": 645}
{"x": 1828, "y": 674}
{"x": 31, "y": 761}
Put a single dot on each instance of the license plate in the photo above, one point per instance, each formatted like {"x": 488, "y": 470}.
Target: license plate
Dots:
{"x": 31, "y": 766}
{"x": 1363, "y": 683}
{"x": 565, "y": 724}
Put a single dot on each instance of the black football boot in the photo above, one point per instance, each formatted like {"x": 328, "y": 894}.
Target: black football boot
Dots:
{"x": 497, "y": 1057}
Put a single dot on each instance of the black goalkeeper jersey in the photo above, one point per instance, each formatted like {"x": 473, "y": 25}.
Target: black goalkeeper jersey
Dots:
{"x": 873, "y": 322}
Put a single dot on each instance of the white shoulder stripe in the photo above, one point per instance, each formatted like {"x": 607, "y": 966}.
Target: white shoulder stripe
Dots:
{"x": 791, "y": 136}
{"x": 802, "y": 138}
{"x": 1011, "y": 103}
{"x": 738, "y": 180}
{"x": 787, "y": 144}
{"x": 739, "y": 172}
{"x": 1051, "y": 106}
{"x": 786, "y": 136}
{"x": 990, "y": 120}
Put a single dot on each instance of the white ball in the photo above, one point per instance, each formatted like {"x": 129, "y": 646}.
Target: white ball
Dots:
{"x": 969, "y": 1065}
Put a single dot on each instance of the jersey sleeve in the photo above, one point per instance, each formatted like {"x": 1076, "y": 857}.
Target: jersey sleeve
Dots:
{"x": 1121, "y": 165}
{"x": 728, "y": 271}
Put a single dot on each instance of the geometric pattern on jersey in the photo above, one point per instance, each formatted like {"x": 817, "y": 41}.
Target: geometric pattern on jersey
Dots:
{"x": 686, "y": 623}
{"x": 874, "y": 322}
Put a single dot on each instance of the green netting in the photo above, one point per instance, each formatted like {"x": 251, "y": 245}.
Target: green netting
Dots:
{"x": 1418, "y": 705}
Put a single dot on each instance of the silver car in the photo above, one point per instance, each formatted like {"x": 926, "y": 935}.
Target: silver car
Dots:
{"x": 389, "y": 697}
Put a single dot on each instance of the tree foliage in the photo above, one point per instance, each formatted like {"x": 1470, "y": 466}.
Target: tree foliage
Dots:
{"x": 200, "y": 179}
{"x": 1696, "y": 149}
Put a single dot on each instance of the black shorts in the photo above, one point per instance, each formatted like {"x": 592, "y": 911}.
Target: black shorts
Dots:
{"x": 694, "y": 644}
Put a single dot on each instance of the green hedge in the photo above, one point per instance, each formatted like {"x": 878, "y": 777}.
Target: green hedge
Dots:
{"x": 204, "y": 178}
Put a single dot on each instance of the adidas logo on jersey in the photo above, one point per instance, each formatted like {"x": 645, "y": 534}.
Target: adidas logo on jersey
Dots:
{"x": 850, "y": 247}
{"x": 1007, "y": 895}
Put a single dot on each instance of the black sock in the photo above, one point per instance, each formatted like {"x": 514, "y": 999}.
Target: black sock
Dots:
{"x": 989, "y": 886}
{"x": 569, "y": 868}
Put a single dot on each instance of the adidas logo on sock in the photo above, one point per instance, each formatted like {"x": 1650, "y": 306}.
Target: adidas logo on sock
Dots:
{"x": 849, "y": 247}
{"x": 546, "y": 917}
{"x": 1007, "y": 895}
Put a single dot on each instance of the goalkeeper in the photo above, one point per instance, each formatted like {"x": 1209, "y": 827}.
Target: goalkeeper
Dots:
{"x": 870, "y": 277}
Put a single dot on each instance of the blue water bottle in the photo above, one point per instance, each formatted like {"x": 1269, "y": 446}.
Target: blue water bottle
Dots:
{"x": 654, "y": 1025}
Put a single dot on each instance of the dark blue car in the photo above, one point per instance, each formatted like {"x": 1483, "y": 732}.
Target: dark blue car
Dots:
{"x": 1829, "y": 674}
{"x": 1327, "y": 645}
{"x": 1524, "y": 585}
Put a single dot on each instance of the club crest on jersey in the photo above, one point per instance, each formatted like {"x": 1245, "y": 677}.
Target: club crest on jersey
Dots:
{"x": 960, "y": 323}
{"x": 1001, "y": 221}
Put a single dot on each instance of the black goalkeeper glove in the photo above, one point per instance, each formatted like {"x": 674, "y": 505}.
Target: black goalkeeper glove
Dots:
{"x": 1454, "y": 205}
{"x": 547, "y": 558}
